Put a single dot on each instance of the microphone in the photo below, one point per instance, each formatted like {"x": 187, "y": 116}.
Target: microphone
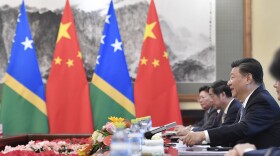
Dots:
{"x": 149, "y": 134}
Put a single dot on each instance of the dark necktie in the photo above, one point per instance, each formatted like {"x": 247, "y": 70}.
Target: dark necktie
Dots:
{"x": 217, "y": 119}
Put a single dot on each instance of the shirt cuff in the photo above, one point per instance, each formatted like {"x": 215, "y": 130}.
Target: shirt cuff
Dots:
{"x": 207, "y": 138}
{"x": 249, "y": 149}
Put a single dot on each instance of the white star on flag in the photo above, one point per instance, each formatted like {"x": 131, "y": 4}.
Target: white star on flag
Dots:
{"x": 117, "y": 45}
{"x": 27, "y": 43}
{"x": 97, "y": 59}
{"x": 107, "y": 19}
{"x": 102, "y": 39}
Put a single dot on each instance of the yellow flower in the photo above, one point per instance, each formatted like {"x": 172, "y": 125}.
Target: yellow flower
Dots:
{"x": 115, "y": 119}
{"x": 81, "y": 152}
{"x": 119, "y": 124}
{"x": 84, "y": 150}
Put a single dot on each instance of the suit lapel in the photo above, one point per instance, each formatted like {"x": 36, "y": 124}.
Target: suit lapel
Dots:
{"x": 254, "y": 94}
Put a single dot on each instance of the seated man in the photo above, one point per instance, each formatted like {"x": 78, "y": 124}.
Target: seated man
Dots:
{"x": 260, "y": 118}
{"x": 249, "y": 149}
{"x": 206, "y": 104}
{"x": 223, "y": 100}
{"x": 227, "y": 106}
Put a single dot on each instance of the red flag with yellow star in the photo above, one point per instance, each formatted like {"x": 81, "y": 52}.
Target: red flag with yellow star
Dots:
{"x": 155, "y": 91}
{"x": 67, "y": 94}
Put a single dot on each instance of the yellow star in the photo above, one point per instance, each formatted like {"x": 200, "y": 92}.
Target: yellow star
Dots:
{"x": 149, "y": 31}
{"x": 165, "y": 54}
{"x": 70, "y": 63}
{"x": 144, "y": 61}
{"x": 155, "y": 63}
{"x": 57, "y": 60}
{"x": 79, "y": 55}
{"x": 63, "y": 31}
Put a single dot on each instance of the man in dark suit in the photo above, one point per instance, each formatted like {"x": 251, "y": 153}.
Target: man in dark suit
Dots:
{"x": 223, "y": 100}
{"x": 207, "y": 104}
{"x": 209, "y": 118}
{"x": 209, "y": 115}
{"x": 260, "y": 121}
{"x": 249, "y": 149}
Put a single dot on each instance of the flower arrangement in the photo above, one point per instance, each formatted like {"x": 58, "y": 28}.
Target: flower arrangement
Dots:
{"x": 46, "y": 148}
{"x": 101, "y": 139}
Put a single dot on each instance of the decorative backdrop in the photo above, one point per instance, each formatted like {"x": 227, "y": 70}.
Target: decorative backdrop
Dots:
{"x": 188, "y": 28}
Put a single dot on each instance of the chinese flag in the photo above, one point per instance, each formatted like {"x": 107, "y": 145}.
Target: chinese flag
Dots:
{"x": 155, "y": 89}
{"x": 67, "y": 95}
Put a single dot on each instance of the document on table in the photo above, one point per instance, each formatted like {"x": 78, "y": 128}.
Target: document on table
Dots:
{"x": 197, "y": 150}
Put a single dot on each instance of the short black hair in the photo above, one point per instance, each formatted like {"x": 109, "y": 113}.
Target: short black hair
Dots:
{"x": 250, "y": 65}
{"x": 275, "y": 66}
{"x": 204, "y": 88}
{"x": 221, "y": 86}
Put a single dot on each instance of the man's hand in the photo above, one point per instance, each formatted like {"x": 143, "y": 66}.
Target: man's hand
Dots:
{"x": 184, "y": 131}
{"x": 232, "y": 152}
{"x": 179, "y": 127}
{"x": 239, "y": 149}
{"x": 193, "y": 138}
